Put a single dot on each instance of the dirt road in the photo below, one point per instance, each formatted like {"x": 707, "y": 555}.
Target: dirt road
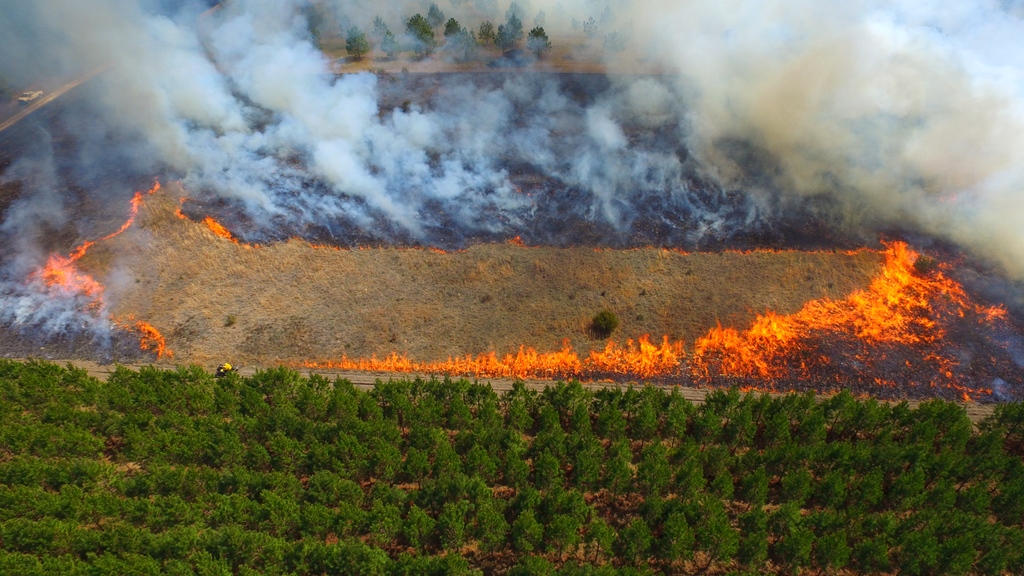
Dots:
{"x": 48, "y": 98}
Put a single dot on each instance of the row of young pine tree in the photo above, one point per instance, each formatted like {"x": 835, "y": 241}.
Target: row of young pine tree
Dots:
{"x": 181, "y": 473}
{"x": 419, "y": 34}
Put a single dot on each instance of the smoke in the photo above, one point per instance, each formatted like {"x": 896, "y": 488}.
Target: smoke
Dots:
{"x": 909, "y": 113}
{"x": 896, "y": 114}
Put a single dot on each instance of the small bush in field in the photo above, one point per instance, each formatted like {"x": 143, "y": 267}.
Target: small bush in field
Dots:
{"x": 605, "y": 323}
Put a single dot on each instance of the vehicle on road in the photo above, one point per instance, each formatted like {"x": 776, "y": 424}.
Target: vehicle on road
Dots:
{"x": 27, "y": 97}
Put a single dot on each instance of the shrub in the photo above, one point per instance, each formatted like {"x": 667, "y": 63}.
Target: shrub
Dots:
{"x": 605, "y": 323}
{"x": 924, "y": 265}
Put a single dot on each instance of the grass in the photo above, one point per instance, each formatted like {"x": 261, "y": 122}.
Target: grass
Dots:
{"x": 300, "y": 303}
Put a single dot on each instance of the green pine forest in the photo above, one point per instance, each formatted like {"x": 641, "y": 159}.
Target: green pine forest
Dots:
{"x": 176, "y": 472}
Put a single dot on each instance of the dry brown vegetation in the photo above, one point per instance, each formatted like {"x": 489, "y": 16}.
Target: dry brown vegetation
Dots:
{"x": 291, "y": 302}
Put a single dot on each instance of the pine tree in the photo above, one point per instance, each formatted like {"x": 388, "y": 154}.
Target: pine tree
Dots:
{"x": 527, "y": 533}
{"x": 451, "y": 525}
{"x": 538, "y": 41}
{"x": 418, "y": 527}
{"x": 509, "y": 33}
{"x": 434, "y": 15}
{"x": 379, "y": 28}
{"x": 421, "y": 31}
{"x": 389, "y": 44}
{"x": 486, "y": 34}
{"x": 451, "y": 28}
{"x": 677, "y": 538}
{"x": 654, "y": 474}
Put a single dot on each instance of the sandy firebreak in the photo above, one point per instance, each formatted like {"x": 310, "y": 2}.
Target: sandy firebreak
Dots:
{"x": 215, "y": 300}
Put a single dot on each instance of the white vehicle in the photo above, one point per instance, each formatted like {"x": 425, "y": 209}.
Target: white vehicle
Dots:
{"x": 27, "y": 97}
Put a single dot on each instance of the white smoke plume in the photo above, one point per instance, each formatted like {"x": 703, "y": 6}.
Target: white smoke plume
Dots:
{"x": 910, "y": 112}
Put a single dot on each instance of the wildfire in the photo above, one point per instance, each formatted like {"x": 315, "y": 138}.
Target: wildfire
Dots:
{"x": 903, "y": 308}
{"x": 891, "y": 332}
{"x": 150, "y": 339}
{"x": 898, "y": 332}
{"x": 61, "y": 274}
{"x": 218, "y": 229}
{"x": 639, "y": 359}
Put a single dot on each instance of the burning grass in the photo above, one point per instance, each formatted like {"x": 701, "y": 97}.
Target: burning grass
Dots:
{"x": 869, "y": 321}
{"x": 834, "y": 344}
{"x": 894, "y": 332}
{"x": 295, "y": 302}
{"x": 62, "y": 276}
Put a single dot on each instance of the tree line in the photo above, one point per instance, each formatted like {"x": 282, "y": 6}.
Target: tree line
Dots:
{"x": 421, "y": 35}
{"x": 178, "y": 472}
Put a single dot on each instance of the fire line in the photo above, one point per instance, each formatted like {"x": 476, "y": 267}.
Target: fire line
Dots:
{"x": 61, "y": 274}
{"x": 904, "y": 313}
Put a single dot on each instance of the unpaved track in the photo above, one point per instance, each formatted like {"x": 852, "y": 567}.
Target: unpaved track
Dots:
{"x": 367, "y": 380}
{"x": 48, "y": 98}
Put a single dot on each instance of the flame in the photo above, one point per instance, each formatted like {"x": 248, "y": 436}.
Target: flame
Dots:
{"x": 218, "y": 229}
{"x": 322, "y": 247}
{"x": 60, "y": 272}
{"x": 150, "y": 339}
{"x": 902, "y": 307}
{"x": 61, "y": 275}
{"x": 891, "y": 332}
{"x": 640, "y": 359}
{"x": 890, "y": 335}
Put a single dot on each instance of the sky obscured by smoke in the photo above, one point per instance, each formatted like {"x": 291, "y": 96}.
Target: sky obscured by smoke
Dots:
{"x": 900, "y": 114}
{"x": 910, "y": 112}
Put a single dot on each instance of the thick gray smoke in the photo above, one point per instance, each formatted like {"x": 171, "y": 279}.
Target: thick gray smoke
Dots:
{"x": 910, "y": 112}
{"x": 907, "y": 114}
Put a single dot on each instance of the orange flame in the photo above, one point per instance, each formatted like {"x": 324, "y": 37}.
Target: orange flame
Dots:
{"x": 218, "y": 229}
{"x": 639, "y": 359}
{"x": 150, "y": 339}
{"x": 902, "y": 307}
{"x": 214, "y": 226}
{"x": 61, "y": 273}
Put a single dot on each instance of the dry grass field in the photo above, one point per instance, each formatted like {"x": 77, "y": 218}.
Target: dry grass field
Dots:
{"x": 292, "y": 302}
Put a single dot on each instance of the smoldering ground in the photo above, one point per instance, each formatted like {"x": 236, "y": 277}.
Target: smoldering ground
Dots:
{"x": 777, "y": 123}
